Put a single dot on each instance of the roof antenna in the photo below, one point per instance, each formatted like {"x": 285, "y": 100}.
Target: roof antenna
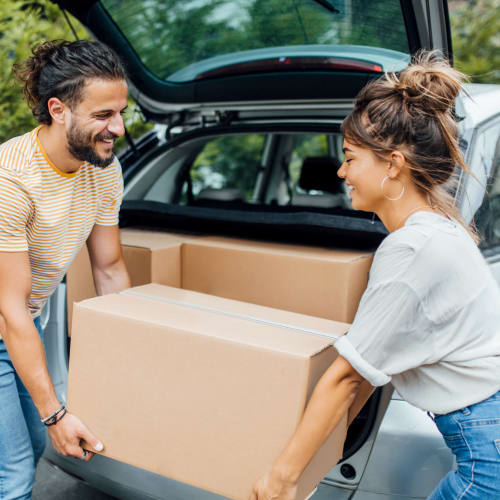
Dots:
{"x": 70, "y": 24}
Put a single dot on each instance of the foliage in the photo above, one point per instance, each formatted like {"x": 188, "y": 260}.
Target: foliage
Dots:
{"x": 23, "y": 25}
{"x": 231, "y": 161}
{"x": 475, "y": 26}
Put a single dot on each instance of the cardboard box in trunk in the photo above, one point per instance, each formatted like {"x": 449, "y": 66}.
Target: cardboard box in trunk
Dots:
{"x": 150, "y": 257}
{"x": 201, "y": 389}
{"x": 314, "y": 281}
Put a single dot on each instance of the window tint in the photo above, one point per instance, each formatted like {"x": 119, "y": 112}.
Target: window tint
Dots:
{"x": 226, "y": 169}
{"x": 487, "y": 161}
{"x": 170, "y": 35}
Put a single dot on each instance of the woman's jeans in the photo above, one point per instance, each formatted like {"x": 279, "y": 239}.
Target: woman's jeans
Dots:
{"x": 473, "y": 435}
{"x": 22, "y": 435}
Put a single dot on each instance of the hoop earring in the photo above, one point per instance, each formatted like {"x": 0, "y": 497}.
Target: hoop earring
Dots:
{"x": 400, "y": 194}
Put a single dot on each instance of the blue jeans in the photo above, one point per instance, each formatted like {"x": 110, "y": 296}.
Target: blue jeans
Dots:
{"x": 22, "y": 435}
{"x": 473, "y": 435}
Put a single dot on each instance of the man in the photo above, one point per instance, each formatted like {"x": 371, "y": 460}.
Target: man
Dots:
{"x": 60, "y": 186}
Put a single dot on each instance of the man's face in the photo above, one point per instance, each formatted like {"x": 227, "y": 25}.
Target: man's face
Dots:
{"x": 96, "y": 121}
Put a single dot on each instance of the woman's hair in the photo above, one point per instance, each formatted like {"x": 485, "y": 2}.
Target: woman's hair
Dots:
{"x": 60, "y": 69}
{"x": 413, "y": 112}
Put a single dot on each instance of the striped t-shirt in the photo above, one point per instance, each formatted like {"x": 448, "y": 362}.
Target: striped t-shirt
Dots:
{"x": 49, "y": 213}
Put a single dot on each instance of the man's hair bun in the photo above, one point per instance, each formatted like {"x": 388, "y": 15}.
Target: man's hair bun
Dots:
{"x": 28, "y": 71}
{"x": 429, "y": 83}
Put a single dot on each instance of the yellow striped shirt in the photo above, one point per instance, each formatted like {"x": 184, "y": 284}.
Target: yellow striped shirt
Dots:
{"x": 49, "y": 213}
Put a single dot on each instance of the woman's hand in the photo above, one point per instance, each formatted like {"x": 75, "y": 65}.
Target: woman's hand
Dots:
{"x": 272, "y": 487}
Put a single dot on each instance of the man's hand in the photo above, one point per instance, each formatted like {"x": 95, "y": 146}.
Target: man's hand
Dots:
{"x": 272, "y": 487}
{"x": 66, "y": 437}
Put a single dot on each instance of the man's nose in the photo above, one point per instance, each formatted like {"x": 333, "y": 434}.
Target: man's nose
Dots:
{"x": 116, "y": 125}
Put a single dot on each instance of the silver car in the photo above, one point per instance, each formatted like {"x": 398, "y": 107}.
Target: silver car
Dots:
{"x": 248, "y": 97}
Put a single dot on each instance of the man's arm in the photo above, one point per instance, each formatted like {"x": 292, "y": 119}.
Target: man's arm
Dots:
{"x": 27, "y": 354}
{"x": 108, "y": 268}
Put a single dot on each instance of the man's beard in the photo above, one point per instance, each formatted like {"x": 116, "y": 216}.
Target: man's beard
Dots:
{"x": 80, "y": 146}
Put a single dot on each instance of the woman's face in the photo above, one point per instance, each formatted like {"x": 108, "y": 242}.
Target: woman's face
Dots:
{"x": 363, "y": 173}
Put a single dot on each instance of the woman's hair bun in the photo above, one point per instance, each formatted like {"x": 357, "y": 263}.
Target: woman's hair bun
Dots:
{"x": 429, "y": 82}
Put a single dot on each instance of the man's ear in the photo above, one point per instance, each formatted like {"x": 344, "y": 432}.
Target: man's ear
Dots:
{"x": 396, "y": 164}
{"x": 57, "y": 110}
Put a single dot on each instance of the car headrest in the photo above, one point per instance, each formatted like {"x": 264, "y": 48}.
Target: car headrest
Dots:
{"x": 224, "y": 194}
{"x": 320, "y": 173}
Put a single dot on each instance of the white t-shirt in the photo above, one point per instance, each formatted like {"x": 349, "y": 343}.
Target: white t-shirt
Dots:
{"x": 429, "y": 320}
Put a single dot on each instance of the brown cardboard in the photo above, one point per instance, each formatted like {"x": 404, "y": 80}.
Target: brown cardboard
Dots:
{"x": 314, "y": 281}
{"x": 150, "y": 257}
{"x": 201, "y": 389}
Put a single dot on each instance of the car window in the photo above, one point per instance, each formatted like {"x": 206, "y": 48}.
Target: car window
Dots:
{"x": 487, "y": 161}
{"x": 306, "y": 145}
{"x": 181, "y": 41}
{"x": 226, "y": 169}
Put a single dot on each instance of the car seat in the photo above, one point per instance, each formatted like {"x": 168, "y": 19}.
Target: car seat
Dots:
{"x": 319, "y": 173}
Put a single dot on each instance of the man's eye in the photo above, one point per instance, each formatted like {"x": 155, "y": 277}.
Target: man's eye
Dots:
{"x": 102, "y": 117}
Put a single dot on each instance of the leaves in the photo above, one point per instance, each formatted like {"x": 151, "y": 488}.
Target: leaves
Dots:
{"x": 475, "y": 28}
{"x": 23, "y": 25}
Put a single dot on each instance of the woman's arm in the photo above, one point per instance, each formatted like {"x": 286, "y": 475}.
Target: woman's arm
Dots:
{"x": 365, "y": 390}
{"x": 332, "y": 397}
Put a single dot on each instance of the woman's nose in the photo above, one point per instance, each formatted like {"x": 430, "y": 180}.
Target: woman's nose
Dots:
{"x": 341, "y": 171}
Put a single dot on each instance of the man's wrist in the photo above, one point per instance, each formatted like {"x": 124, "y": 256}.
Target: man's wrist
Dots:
{"x": 54, "y": 417}
{"x": 48, "y": 408}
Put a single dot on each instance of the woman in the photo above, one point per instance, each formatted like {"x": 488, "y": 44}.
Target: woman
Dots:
{"x": 429, "y": 320}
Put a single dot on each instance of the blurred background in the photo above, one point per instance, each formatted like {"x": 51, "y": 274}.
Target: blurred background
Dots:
{"x": 25, "y": 23}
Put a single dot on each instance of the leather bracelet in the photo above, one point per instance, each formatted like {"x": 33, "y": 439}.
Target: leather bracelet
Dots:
{"x": 54, "y": 417}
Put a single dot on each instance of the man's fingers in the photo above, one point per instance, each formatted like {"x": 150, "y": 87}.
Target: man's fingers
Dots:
{"x": 86, "y": 435}
{"x": 87, "y": 456}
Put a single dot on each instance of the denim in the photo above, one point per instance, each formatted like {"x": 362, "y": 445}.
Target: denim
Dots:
{"x": 473, "y": 436}
{"x": 22, "y": 435}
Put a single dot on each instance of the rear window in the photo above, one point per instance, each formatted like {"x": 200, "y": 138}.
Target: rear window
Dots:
{"x": 226, "y": 169}
{"x": 181, "y": 41}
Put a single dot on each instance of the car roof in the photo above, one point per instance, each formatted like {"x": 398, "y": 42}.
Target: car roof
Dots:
{"x": 481, "y": 104}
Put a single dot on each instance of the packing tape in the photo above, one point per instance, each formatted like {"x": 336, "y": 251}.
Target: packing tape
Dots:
{"x": 233, "y": 315}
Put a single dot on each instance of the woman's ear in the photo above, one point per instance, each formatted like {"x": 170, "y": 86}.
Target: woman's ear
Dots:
{"x": 396, "y": 164}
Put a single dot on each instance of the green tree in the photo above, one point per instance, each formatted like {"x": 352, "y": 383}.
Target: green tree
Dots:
{"x": 475, "y": 26}
{"x": 23, "y": 25}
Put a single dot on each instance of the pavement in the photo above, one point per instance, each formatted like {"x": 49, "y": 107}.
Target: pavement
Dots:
{"x": 53, "y": 484}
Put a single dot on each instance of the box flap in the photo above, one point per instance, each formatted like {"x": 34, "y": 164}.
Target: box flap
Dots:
{"x": 326, "y": 254}
{"x": 215, "y": 318}
{"x": 153, "y": 240}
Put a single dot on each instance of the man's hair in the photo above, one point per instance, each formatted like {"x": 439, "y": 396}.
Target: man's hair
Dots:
{"x": 60, "y": 69}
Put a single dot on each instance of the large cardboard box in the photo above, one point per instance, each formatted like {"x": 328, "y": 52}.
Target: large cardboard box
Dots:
{"x": 150, "y": 257}
{"x": 314, "y": 281}
{"x": 201, "y": 389}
